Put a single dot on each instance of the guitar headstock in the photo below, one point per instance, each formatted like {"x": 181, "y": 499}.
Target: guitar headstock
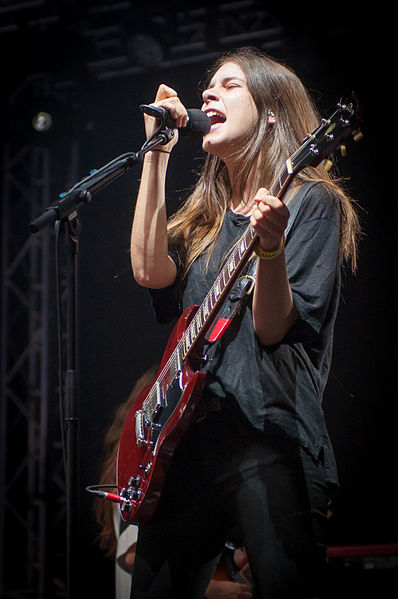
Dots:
{"x": 330, "y": 134}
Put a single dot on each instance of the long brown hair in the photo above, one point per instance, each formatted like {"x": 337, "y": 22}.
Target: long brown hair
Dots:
{"x": 104, "y": 509}
{"x": 274, "y": 87}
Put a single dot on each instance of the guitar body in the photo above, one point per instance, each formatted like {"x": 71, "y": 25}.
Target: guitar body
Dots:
{"x": 154, "y": 426}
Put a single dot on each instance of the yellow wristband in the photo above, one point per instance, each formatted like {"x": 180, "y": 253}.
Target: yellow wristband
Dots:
{"x": 269, "y": 255}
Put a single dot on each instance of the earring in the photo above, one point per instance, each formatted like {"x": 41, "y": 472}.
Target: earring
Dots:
{"x": 270, "y": 113}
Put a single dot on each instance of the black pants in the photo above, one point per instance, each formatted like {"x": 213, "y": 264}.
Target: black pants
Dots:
{"x": 226, "y": 475}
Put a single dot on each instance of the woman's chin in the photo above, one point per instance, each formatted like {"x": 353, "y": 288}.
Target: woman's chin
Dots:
{"x": 213, "y": 146}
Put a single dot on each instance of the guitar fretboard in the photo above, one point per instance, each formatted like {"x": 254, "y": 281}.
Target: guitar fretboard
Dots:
{"x": 204, "y": 316}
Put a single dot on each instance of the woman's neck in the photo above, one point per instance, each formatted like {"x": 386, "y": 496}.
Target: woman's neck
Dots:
{"x": 241, "y": 206}
{"x": 241, "y": 203}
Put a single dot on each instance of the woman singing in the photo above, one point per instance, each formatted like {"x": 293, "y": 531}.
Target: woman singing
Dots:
{"x": 259, "y": 460}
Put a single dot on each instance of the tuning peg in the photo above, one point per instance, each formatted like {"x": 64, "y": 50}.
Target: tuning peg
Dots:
{"x": 357, "y": 135}
{"x": 343, "y": 150}
{"x": 327, "y": 163}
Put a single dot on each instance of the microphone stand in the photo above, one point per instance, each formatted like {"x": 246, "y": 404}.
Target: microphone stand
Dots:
{"x": 64, "y": 214}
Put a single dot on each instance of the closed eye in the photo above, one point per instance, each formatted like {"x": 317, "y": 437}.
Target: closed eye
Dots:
{"x": 232, "y": 82}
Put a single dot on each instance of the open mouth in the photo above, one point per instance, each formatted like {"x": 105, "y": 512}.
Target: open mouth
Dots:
{"x": 216, "y": 118}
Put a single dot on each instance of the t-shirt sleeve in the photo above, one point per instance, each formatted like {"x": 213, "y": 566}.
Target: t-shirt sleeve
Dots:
{"x": 312, "y": 260}
{"x": 166, "y": 302}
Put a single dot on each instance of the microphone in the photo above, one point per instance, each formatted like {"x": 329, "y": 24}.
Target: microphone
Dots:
{"x": 198, "y": 123}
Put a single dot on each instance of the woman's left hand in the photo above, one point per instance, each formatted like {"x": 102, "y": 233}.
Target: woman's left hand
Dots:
{"x": 269, "y": 219}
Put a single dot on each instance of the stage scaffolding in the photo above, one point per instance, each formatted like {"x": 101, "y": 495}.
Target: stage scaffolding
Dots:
{"x": 24, "y": 367}
{"x": 32, "y": 481}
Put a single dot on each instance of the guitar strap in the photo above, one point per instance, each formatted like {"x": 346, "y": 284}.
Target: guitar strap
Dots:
{"x": 245, "y": 284}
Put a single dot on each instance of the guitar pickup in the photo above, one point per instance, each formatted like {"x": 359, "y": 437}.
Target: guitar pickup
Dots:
{"x": 159, "y": 397}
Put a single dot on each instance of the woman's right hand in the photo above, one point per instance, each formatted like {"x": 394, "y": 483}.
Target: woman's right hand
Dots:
{"x": 166, "y": 97}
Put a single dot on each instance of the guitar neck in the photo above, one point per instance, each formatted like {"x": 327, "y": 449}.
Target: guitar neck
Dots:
{"x": 281, "y": 184}
{"x": 219, "y": 291}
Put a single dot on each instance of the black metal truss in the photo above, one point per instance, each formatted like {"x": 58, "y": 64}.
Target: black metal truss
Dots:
{"x": 24, "y": 365}
{"x": 32, "y": 480}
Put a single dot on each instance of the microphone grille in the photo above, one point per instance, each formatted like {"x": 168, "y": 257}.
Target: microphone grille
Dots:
{"x": 198, "y": 123}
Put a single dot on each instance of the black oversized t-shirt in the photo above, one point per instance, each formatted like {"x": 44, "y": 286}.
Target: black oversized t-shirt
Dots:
{"x": 279, "y": 388}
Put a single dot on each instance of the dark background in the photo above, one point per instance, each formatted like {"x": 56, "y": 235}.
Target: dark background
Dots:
{"x": 334, "y": 50}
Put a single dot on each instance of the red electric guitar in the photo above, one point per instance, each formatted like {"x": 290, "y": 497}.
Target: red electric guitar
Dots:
{"x": 163, "y": 412}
